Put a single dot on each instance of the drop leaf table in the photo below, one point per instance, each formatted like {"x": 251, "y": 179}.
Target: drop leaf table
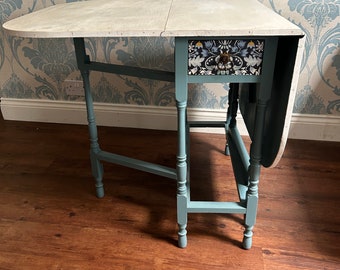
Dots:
{"x": 240, "y": 42}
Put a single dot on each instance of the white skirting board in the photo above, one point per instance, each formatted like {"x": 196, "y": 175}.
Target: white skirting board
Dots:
{"x": 310, "y": 127}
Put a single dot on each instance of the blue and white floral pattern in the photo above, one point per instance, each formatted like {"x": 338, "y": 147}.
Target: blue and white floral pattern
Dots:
{"x": 51, "y": 57}
{"x": 7, "y": 8}
{"x": 225, "y": 57}
{"x": 323, "y": 49}
{"x": 318, "y": 13}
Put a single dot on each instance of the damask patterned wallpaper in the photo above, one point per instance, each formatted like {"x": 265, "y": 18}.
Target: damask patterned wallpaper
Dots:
{"x": 37, "y": 68}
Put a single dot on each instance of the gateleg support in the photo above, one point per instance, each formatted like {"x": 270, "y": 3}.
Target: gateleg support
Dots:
{"x": 97, "y": 168}
{"x": 96, "y": 165}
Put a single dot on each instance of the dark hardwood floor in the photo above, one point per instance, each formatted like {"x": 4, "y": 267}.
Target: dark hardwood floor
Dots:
{"x": 51, "y": 219}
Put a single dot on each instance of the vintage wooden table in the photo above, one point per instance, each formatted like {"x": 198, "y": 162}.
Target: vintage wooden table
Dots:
{"x": 236, "y": 41}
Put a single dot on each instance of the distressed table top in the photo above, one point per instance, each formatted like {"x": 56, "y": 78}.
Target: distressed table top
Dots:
{"x": 114, "y": 18}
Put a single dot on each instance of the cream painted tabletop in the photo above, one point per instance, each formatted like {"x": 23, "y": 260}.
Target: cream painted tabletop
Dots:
{"x": 114, "y": 18}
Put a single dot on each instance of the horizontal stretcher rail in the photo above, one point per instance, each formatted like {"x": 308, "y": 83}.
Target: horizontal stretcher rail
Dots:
{"x": 198, "y": 124}
{"x": 216, "y": 207}
{"x": 152, "y": 74}
{"x": 137, "y": 164}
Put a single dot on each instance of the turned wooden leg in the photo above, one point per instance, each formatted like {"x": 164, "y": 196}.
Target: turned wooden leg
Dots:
{"x": 182, "y": 169}
{"x": 254, "y": 173}
{"x": 97, "y": 167}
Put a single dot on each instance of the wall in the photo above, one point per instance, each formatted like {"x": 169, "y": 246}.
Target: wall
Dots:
{"x": 32, "y": 69}
{"x": 319, "y": 84}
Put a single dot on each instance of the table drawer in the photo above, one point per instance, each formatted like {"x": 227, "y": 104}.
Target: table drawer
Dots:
{"x": 225, "y": 57}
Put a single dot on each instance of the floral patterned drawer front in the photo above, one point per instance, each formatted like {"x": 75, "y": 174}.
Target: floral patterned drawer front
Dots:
{"x": 225, "y": 57}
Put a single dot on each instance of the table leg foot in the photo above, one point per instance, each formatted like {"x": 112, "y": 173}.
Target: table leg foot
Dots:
{"x": 182, "y": 236}
{"x": 97, "y": 172}
{"x": 227, "y": 150}
{"x": 99, "y": 189}
{"x": 247, "y": 238}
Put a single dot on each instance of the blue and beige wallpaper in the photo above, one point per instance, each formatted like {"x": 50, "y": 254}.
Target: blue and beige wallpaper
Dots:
{"x": 37, "y": 68}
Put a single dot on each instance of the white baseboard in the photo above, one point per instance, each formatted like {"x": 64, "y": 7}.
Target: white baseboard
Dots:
{"x": 315, "y": 127}
{"x": 311, "y": 127}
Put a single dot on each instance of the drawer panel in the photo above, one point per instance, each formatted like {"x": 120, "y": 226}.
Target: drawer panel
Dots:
{"x": 225, "y": 57}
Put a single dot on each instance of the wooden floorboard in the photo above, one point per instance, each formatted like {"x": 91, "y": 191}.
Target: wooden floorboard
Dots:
{"x": 51, "y": 219}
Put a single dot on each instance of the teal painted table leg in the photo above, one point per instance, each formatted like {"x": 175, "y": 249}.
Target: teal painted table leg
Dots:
{"x": 254, "y": 174}
{"x": 182, "y": 168}
{"x": 262, "y": 99}
{"x": 97, "y": 167}
{"x": 182, "y": 199}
